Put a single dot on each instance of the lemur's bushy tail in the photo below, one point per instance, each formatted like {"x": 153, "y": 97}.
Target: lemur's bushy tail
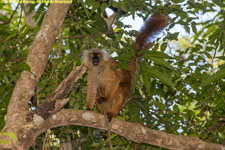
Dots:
{"x": 150, "y": 30}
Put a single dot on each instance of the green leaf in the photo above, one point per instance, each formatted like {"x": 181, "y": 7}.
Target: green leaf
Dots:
{"x": 156, "y": 54}
{"x": 178, "y": 1}
{"x": 187, "y": 28}
{"x": 173, "y": 36}
{"x": 157, "y": 57}
{"x": 163, "y": 47}
{"x": 219, "y": 3}
{"x": 11, "y": 36}
{"x": 175, "y": 108}
{"x": 10, "y": 134}
{"x": 193, "y": 26}
{"x": 219, "y": 57}
{"x": 123, "y": 66}
{"x": 22, "y": 66}
{"x": 99, "y": 26}
{"x": 161, "y": 62}
{"x": 95, "y": 144}
{"x": 87, "y": 12}
{"x": 112, "y": 136}
{"x": 4, "y": 142}
{"x": 218, "y": 75}
{"x": 160, "y": 105}
{"x": 159, "y": 75}
{"x": 123, "y": 6}
{"x": 115, "y": 4}
{"x": 146, "y": 80}
{"x": 103, "y": 7}
{"x": 95, "y": 6}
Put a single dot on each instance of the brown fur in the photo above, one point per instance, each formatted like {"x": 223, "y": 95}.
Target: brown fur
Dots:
{"x": 115, "y": 85}
{"x": 149, "y": 30}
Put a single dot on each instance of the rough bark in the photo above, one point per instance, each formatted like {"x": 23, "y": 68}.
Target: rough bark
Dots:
{"x": 56, "y": 100}
{"x": 132, "y": 131}
{"x": 34, "y": 119}
{"x": 37, "y": 60}
{"x": 28, "y": 125}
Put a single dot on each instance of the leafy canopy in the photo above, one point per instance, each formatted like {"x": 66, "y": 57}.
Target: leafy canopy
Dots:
{"x": 180, "y": 88}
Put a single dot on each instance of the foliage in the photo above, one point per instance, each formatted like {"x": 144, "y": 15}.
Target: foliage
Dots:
{"x": 180, "y": 88}
{"x": 10, "y": 134}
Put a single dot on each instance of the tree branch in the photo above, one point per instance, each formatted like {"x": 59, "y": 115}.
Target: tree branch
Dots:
{"x": 56, "y": 100}
{"x": 26, "y": 84}
{"x": 132, "y": 131}
{"x": 37, "y": 60}
{"x": 8, "y": 22}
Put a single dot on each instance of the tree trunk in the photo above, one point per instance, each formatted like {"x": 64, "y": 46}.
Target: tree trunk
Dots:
{"x": 28, "y": 125}
{"x": 26, "y": 85}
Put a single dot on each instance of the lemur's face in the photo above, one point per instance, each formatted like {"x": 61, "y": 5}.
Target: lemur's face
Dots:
{"x": 95, "y": 58}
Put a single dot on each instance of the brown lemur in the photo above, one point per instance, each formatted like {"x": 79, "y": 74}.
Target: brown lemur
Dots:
{"x": 109, "y": 85}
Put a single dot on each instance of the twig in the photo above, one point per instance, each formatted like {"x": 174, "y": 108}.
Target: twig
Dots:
{"x": 8, "y": 22}
{"x": 72, "y": 37}
{"x": 46, "y": 138}
{"x": 57, "y": 99}
{"x": 81, "y": 31}
{"x": 108, "y": 127}
{"x": 58, "y": 52}
{"x": 89, "y": 36}
{"x": 20, "y": 16}
{"x": 134, "y": 146}
{"x": 114, "y": 18}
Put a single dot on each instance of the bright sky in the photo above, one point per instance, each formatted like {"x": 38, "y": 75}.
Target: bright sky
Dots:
{"x": 138, "y": 22}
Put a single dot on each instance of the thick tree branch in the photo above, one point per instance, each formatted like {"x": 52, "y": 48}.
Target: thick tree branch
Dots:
{"x": 50, "y": 106}
{"x": 131, "y": 131}
{"x": 26, "y": 84}
{"x": 55, "y": 101}
{"x": 48, "y": 113}
{"x": 37, "y": 60}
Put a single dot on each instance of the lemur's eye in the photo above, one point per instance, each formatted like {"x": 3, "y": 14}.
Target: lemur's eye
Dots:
{"x": 99, "y": 55}
{"x": 91, "y": 55}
